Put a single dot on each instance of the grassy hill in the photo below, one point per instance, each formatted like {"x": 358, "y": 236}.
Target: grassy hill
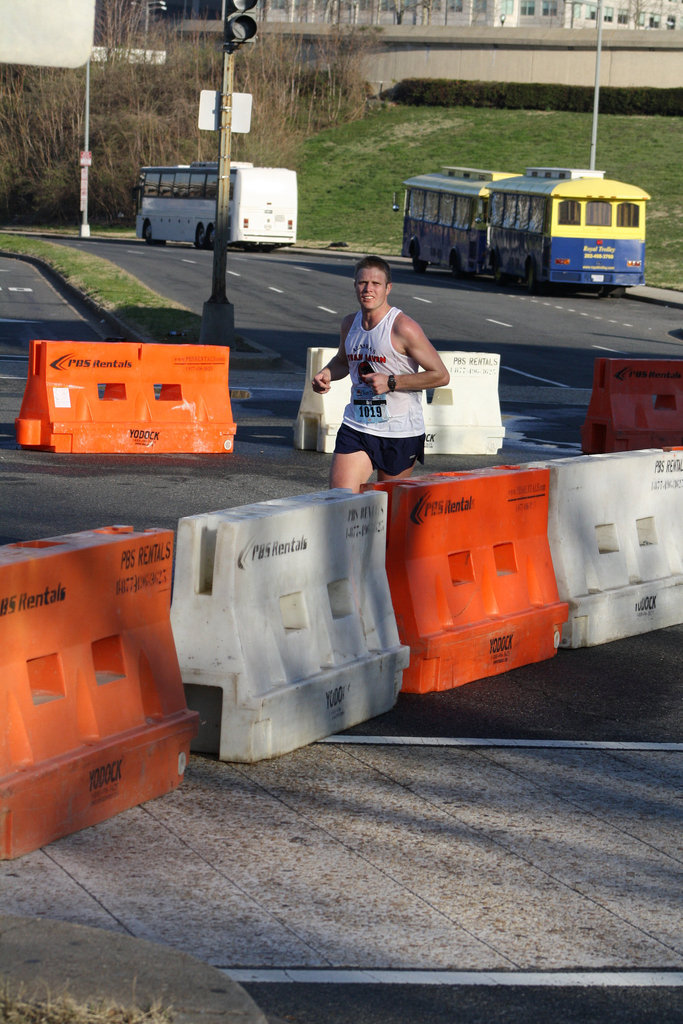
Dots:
{"x": 348, "y": 175}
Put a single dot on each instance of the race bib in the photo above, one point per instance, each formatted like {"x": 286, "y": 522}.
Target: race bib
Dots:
{"x": 367, "y": 406}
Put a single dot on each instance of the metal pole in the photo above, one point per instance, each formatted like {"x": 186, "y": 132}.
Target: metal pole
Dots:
{"x": 218, "y": 314}
{"x": 596, "y": 91}
{"x": 85, "y": 227}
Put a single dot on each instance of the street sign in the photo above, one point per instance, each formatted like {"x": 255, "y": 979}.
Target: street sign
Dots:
{"x": 210, "y": 111}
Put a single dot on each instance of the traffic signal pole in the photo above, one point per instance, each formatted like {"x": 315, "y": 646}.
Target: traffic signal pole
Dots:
{"x": 218, "y": 314}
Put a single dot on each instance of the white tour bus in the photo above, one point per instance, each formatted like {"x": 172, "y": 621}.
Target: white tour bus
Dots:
{"x": 178, "y": 204}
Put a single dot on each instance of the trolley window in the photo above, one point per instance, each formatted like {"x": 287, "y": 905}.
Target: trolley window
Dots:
{"x": 431, "y": 207}
{"x": 628, "y": 215}
{"x": 598, "y": 213}
{"x": 536, "y": 214}
{"x": 569, "y": 212}
{"x": 416, "y": 203}
{"x": 446, "y": 210}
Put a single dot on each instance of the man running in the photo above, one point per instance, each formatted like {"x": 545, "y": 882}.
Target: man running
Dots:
{"x": 390, "y": 361}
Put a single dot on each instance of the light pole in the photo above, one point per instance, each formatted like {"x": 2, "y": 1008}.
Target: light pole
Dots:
{"x": 596, "y": 91}
{"x": 84, "y": 230}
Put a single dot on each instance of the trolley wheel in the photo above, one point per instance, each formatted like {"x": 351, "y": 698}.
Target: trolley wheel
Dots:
{"x": 419, "y": 266}
{"x": 614, "y": 291}
{"x": 498, "y": 276}
{"x": 200, "y": 237}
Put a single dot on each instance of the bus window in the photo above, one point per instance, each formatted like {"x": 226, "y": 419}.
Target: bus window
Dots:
{"x": 536, "y": 214}
{"x": 497, "y": 205}
{"x": 510, "y": 212}
{"x": 416, "y": 203}
{"x": 522, "y": 218}
{"x": 431, "y": 207}
{"x": 150, "y": 183}
{"x": 598, "y": 213}
{"x": 628, "y": 215}
{"x": 166, "y": 184}
{"x": 197, "y": 183}
{"x": 211, "y": 184}
{"x": 446, "y": 210}
{"x": 463, "y": 212}
{"x": 181, "y": 185}
{"x": 569, "y": 212}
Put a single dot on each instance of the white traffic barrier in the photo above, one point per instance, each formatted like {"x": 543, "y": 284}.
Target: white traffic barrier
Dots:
{"x": 615, "y": 527}
{"x": 283, "y": 621}
{"x": 464, "y": 417}
{"x": 320, "y": 416}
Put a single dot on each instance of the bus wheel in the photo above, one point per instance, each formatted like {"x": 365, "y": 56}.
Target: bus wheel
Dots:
{"x": 615, "y": 292}
{"x": 147, "y": 233}
{"x": 200, "y": 237}
{"x": 530, "y": 277}
{"x": 456, "y": 269}
{"x": 498, "y": 275}
{"x": 419, "y": 266}
{"x": 208, "y": 237}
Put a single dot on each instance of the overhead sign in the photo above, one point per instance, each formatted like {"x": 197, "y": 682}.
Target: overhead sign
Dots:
{"x": 57, "y": 34}
{"x": 210, "y": 111}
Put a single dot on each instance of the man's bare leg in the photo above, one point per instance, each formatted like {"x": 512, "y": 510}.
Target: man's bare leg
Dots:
{"x": 350, "y": 470}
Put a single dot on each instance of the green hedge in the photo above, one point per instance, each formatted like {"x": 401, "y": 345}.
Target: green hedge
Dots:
{"x": 444, "y": 92}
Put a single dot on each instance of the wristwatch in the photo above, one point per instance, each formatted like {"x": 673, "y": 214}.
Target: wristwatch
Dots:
{"x": 391, "y": 382}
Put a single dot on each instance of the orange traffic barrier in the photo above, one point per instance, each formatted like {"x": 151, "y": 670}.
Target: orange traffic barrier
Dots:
{"x": 93, "y": 717}
{"x": 471, "y": 576}
{"x": 635, "y": 404}
{"x": 127, "y": 398}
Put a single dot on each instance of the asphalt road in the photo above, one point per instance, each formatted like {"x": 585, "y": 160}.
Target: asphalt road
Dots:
{"x": 621, "y": 693}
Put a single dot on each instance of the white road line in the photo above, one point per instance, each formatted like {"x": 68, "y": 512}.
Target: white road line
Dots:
{"x": 272, "y": 288}
{"x": 326, "y": 310}
{"x": 499, "y": 322}
{"x": 233, "y": 273}
{"x": 20, "y": 289}
{"x": 193, "y": 262}
{"x": 603, "y": 348}
{"x": 547, "y": 979}
{"x": 418, "y": 299}
{"x": 445, "y": 741}
{"x": 531, "y": 376}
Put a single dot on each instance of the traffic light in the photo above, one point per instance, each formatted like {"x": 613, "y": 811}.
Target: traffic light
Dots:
{"x": 238, "y": 27}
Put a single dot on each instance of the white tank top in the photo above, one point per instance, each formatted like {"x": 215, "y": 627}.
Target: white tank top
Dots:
{"x": 397, "y": 414}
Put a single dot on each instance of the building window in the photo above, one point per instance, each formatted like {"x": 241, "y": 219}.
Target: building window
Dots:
{"x": 622, "y": 17}
{"x": 609, "y": 14}
{"x": 549, "y": 9}
{"x": 527, "y": 8}
{"x": 591, "y": 12}
{"x": 654, "y": 21}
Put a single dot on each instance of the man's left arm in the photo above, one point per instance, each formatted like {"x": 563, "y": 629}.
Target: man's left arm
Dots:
{"x": 409, "y": 339}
